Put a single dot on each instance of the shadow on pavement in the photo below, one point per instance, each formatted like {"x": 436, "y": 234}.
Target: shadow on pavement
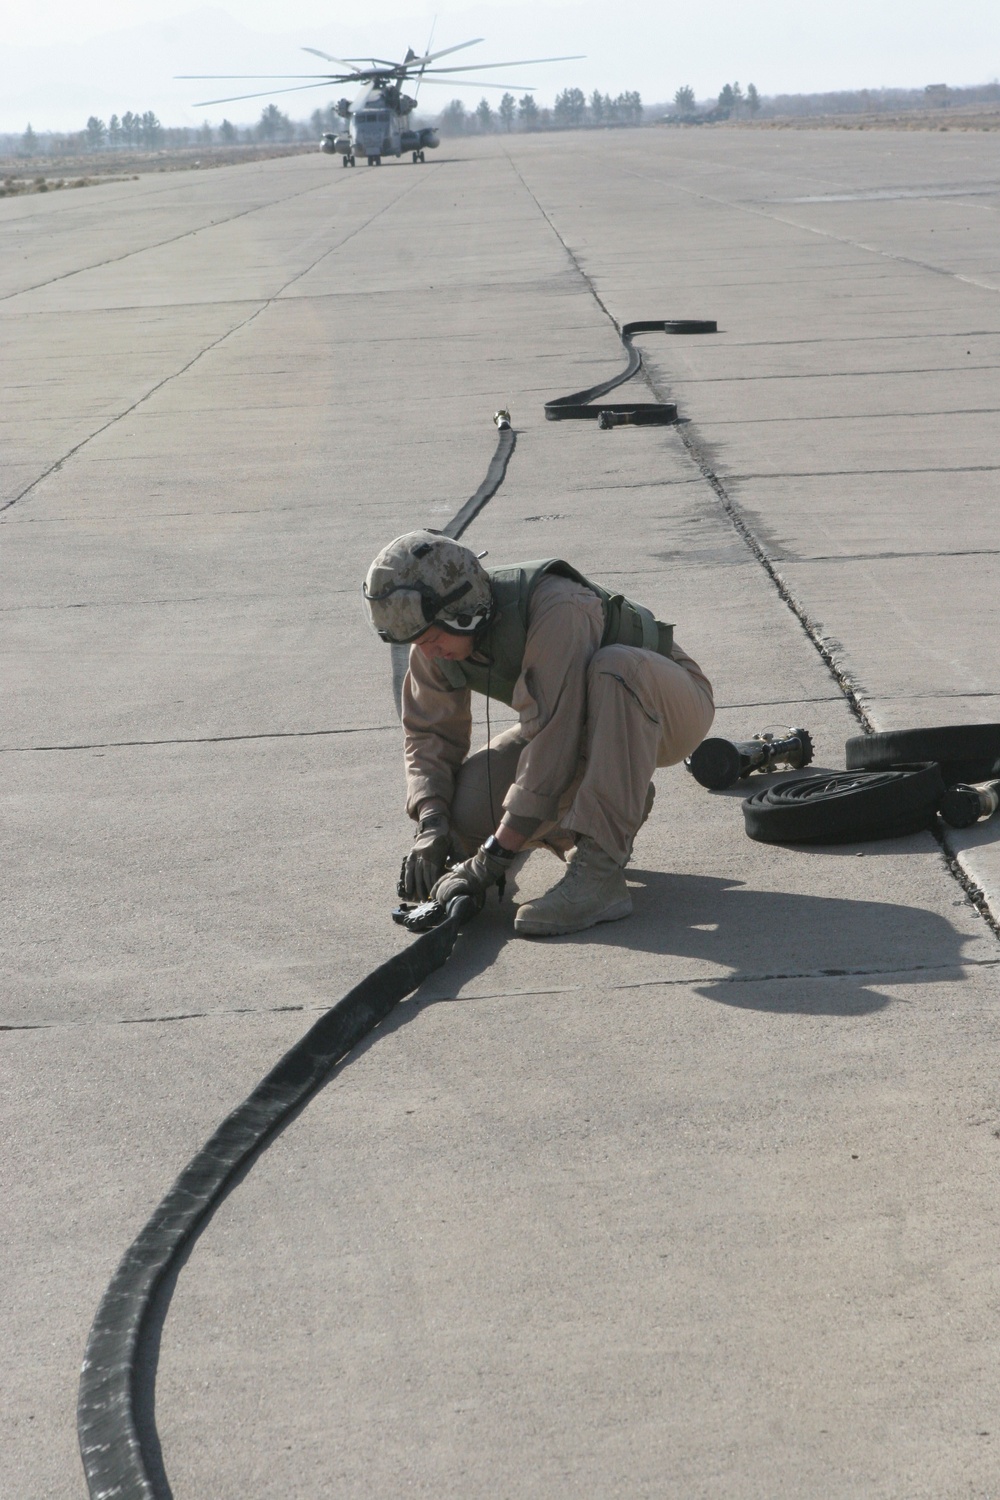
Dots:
{"x": 779, "y": 951}
{"x": 785, "y": 939}
{"x": 784, "y": 953}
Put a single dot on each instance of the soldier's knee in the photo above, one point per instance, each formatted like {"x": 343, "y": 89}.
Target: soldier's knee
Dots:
{"x": 615, "y": 661}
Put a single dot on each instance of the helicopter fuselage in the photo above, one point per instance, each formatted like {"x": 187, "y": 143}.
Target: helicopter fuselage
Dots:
{"x": 375, "y": 130}
{"x": 377, "y": 122}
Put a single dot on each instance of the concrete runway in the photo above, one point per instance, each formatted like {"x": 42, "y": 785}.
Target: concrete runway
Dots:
{"x": 699, "y": 1204}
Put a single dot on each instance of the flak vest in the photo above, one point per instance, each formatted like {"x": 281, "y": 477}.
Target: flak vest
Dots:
{"x": 503, "y": 643}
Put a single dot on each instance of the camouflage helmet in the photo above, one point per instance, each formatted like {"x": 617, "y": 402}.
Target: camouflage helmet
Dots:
{"x": 424, "y": 579}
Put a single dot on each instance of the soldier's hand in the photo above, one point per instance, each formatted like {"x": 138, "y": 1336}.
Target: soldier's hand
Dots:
{"x": 428, "y": 856}
{"x": 471, "y": 878}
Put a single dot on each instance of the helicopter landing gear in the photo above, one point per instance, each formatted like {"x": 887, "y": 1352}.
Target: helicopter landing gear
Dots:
{"x": 374, "y": 161}
{"x": 348, "y": 161}
{"x": 417, "y": 156}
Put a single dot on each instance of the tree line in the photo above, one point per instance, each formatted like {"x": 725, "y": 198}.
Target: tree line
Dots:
{"x": 572, "y": 110}
{"x": 145, "y": 132}
{"x": 732, "y": 103}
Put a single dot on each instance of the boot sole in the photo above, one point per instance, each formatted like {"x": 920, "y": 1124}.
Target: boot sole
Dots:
{"x": 559, "y": 929}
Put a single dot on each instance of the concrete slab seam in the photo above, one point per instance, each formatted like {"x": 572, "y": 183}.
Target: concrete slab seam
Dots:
{"x": 680, "y": 981}
{"x": 851, "y": 690}
{"x": 199, "y": 739}
{"x": 826, "y": 234}
{"x": 214, "y": 344}
{"x": 159, "y": 244}
{"x": 109, "y": 1396}
{"x": 110, "y": 1391}
{"x": 826, "y": 648}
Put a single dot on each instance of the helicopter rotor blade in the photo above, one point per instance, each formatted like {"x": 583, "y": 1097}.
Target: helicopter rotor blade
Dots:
{"x": 444, "y": 83}
{"x": 348, "y": 62}
{"x": 420, "y": 75}
{"x": 522, "y": 62}
{"x": 345, "y": 62}
{"x": 266, "y": 93}
{"x": 416, "y": 62}
{"x": 206, "y": 76}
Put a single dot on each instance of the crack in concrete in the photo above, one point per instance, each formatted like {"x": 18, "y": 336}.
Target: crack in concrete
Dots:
{"x": 780, "y": 702}
{"x": 796, "y": 974}
{"x": 826, "y": 649}
{"x": 871, "y": 338}
{"x": 862, "y": 473}
{"x": 315, "y": 594}
{"x": 785, "y": 976}
{"x": 887, "y": 556}
{"x": 826, "y": 234}
{"x": 199, "y": 739}
{"x": 854, "y": 416}
{"x": 828, "y": 374}
{"x": 188, "y": 1015}
{"x": 942, "y": 693}
{"x": 214, "y": 343}
{"x": 172, "y": 240}
{"x": 731, "y": 509}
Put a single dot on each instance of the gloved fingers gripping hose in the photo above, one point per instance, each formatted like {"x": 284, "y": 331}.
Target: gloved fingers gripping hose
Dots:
{"x": 473, "y": 877}
{"x": 432, "y": 913}
{"x": 426, "y": 861}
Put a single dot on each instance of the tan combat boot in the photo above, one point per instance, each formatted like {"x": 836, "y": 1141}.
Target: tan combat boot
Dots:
{"x": 592, "y": 890}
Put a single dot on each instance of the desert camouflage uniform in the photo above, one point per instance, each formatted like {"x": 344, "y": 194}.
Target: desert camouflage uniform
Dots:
{"x": 592, "y": 725}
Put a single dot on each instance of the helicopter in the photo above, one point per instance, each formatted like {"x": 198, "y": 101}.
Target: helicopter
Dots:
{"x": 376, "y": 122}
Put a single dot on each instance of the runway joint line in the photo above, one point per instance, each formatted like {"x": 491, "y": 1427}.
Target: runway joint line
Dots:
{"x": 266, "y": 303}
{"x": 826, "y": 647}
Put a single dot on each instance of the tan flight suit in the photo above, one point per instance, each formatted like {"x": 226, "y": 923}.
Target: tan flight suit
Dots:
{"x": 594, "y": 723}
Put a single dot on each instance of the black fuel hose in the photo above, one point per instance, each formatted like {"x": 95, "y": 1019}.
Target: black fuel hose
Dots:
{"x": 506, "y": 440}
{"x": 115, "y": 1464}
{"x": 657, "y": 413}
{"x": 114, "y": 1460}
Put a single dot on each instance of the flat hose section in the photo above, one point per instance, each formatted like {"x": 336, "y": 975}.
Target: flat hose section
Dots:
{"x": 114, "y": 1462}
{"x": 506, "y": 442}
{"x": 578, "y": 404}
{"x": 113, "y": 1457}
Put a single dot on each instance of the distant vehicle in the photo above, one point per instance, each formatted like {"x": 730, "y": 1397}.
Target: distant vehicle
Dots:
{"x": 376, "y": 122}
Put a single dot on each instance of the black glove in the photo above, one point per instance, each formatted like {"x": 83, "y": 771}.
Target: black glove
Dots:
{"x": 426, "y": 860}
{"x": 474, "y": 876}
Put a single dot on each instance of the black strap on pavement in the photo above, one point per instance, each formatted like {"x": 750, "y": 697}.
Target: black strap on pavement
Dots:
{"x": 656, "y": 413}
{"x": 113, "y": 1459}
{"x": 506, "y": 440}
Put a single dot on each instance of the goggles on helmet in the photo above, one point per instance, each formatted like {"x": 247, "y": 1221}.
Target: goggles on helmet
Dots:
{"x": 414, "y": 615}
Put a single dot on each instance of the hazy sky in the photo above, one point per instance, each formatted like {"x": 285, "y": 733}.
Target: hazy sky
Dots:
{"x": 61, "y": 61}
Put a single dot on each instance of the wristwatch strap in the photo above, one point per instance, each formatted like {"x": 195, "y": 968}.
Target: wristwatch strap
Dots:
{"x": 493, "y": 847}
